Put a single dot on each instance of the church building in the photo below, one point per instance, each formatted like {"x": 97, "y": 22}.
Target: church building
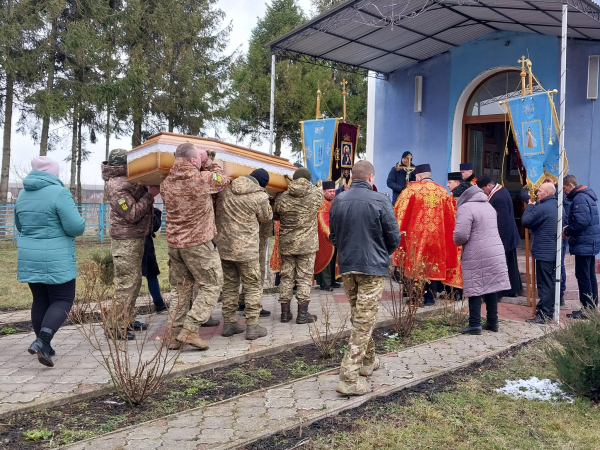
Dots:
{"x": 439, "y": 68}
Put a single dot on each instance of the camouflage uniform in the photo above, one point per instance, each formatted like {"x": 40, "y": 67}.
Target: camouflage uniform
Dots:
{"x": 131, "y": 212}
{"x": 364, "y": 294}
{"x": 298, "y": 237}
{"x": 240, "y": 208}
{"x": 194, "y": 260}
{"x": 266, "y": 231}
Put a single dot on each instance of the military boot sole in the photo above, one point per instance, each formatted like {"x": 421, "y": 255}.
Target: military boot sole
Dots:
{"x": 360, "y": 388}
{"x": 255, "y": 332}
{"x": 309, "y": 318}
{"x": 230, "y": 329}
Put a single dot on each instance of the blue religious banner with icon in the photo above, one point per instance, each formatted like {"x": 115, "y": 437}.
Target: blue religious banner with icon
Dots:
{"x": 318, "y": 141}
{"x": 535, "y": 129}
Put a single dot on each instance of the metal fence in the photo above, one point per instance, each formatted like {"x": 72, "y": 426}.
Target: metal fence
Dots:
{"x": 96, "y": 216}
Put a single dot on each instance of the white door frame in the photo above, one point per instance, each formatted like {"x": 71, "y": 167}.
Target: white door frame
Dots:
{"x": 461, "y": 104}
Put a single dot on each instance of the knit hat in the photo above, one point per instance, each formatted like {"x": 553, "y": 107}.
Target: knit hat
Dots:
{"x": 328, "y": 185}
{"x": 405, "y": 154}
{"x": 484, "y": 181}
{"x": 262, "y": 176}
{"x": 302, "y": 172}
{"x": 117, "y": 157}
{"x": 45, "y": 164}
{"x": 456, "y": 176}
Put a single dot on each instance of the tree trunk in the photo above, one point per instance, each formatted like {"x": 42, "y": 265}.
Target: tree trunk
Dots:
{"x": 170, "y": 123}
{"x": 136, "y": 138}
{"x": 73, "y": 181}
{"x": 107, "y": 132}
{"x": 49, "y": 89}
{"x": 79, "y": 156}
{"x": 277, "y": 145}
{"x": 8, "y": 112}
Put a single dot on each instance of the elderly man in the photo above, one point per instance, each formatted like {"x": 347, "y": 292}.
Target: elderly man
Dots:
{"x": 396, "y": 179}
{"x": 456, "y": 184}
{"x": 500, "y": 199}
{"x": 131, "y": 212}
{"x": 241, "y": 207}
{"x": 541, "y": 218}
{"x": 194, "y": 262}
{"x": 327, "y": 253}
{"x": 466, "y": 170}
{"x": 583, "y": 233}
{"x": 426, "y": 216}
{"x": 364, "y": 229}
{"x": 298, "y": 243}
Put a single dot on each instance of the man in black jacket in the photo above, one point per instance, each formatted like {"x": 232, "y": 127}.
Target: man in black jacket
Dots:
{"x": 541, "y": 218}
{"x": 456, "y": 184}
{"x": 500, "y": 199}
{"x": 396, "y": 179}
{"x": 363, "y": 228}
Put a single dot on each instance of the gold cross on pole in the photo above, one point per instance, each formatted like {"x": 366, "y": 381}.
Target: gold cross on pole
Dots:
{"x": 523, "y": 60}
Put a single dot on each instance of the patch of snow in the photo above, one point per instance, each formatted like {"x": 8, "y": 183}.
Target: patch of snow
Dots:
{"x": 535, "y": 389}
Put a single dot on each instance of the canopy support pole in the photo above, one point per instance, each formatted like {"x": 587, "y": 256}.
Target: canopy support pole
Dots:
{"x": 561, "y": 159}
{"x": 272, "y": 109}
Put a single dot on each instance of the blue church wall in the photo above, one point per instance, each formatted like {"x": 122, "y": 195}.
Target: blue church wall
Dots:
{"x": 582, "y": 134}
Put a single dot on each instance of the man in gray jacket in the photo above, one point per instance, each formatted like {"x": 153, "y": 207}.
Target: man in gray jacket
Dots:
{"x": 364, "y": 229}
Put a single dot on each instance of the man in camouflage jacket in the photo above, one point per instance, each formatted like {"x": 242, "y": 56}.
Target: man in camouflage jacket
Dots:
{"x": 298, "y": 242}
{"x": 194, "y": 262}
{"x": 131, "y": 212}
{"x": 241, "y": 206}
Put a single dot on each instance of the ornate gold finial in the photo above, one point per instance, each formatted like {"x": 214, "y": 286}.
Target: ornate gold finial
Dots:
{"x": 523, "y": 60}
{"x": 344, "y": 83}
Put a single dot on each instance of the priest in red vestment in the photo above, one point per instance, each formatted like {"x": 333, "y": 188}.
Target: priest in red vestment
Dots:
{"x": 426, "y": 216}
{"x": 325, "y": 261}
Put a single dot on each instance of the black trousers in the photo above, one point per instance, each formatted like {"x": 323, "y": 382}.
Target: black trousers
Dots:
{"x": 585, "y": 272}
{"x": 491, "y": 304}
{"x": 545, "y": 274}
{"x": 513, "y": 275}
{"x": 51, "y": 304}
{"x": 326, "y": 277}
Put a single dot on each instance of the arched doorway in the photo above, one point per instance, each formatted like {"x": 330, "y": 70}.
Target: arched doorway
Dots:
{"x": 486, "y": 134}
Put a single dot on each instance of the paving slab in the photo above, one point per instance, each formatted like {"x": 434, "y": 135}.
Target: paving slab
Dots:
{"x": 77, "y": 374}
{"x": 241, "y": 420}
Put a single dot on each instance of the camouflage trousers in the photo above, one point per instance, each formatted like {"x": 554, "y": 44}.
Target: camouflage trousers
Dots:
{"x": 298, "y": 270}
{"x": 248, "y": 272}
{"x": 364, "y": 294}
{"x": 196, "y": 279}
{"x": 262, "y": 258}
{"x": 127, "y": 260}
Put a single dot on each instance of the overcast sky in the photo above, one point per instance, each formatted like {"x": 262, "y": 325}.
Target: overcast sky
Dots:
{"x": 244, "y": 15}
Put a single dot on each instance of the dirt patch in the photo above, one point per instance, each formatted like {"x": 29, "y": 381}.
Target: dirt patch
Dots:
{"x": 73, "y": 422}
{"x": 345, "y": 422}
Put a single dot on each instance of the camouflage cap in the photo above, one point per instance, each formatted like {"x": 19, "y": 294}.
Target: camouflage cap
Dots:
{"x": 117, "y": 157}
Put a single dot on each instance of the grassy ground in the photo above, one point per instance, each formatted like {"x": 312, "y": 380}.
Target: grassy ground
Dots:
{"x": 471, "y": 415}
{"x": 15, "y": 295}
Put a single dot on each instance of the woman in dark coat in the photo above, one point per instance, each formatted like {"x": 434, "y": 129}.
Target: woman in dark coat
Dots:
{"x": 150, "y": 266}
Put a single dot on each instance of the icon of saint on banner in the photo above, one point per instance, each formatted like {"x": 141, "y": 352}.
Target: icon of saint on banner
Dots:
{"x": 346, "y": 154}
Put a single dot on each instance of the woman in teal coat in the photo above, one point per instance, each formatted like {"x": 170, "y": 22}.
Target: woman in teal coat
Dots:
{"x": 47, "y": 220}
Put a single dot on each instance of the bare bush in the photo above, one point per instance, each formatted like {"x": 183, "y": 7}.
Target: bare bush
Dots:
{"x": 137, "y": 368}
{"x": 453, "y": 309}
{"x": 412, "y": 281}
{"x": 106, "y": 266}
{"x": 326, "y": 339}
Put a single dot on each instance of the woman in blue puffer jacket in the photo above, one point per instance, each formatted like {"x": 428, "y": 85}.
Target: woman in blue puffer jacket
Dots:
{"x": 47, "y": 220}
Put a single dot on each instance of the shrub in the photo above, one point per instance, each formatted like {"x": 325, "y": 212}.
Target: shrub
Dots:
{"x": 575, "y": 350}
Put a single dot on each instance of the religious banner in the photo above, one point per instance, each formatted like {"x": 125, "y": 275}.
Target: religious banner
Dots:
{"x": 345, "y": 149}
{"x": 536, "y": 128}
{"x": 318, "y": 141}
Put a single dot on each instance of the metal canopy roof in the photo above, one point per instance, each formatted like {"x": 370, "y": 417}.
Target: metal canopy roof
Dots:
{"x": 385, "y": 35}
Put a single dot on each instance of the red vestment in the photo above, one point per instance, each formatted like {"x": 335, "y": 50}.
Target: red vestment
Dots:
{"x": 326, "y": 248}
{"x": 426, "y": 217}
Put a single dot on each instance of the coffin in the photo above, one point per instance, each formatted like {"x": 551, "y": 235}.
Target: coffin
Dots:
{"x": 150, "y": 163}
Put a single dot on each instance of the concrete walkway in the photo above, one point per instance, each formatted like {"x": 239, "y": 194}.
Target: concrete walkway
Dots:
{"x": 77, "y": 374}
{"x": 241, "y": 420}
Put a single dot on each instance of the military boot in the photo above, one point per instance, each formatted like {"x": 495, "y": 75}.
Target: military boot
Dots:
{"x": 191, "y": 338}
{"x": 367, "y": 371}
{"x": 231, "y": 328}
{"x": 303, "y": 315}
{"x": 211, "y": 323}
{"x": 174, "y": 344}
{"x": 286, "y": 314}
{"x": 255, "y": 332}
{"x": 360, "y": 388}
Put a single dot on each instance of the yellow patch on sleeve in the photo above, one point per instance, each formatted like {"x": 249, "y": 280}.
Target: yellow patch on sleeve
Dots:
{"x": 217, "y": 177}
{"x": 123, "y": 204}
